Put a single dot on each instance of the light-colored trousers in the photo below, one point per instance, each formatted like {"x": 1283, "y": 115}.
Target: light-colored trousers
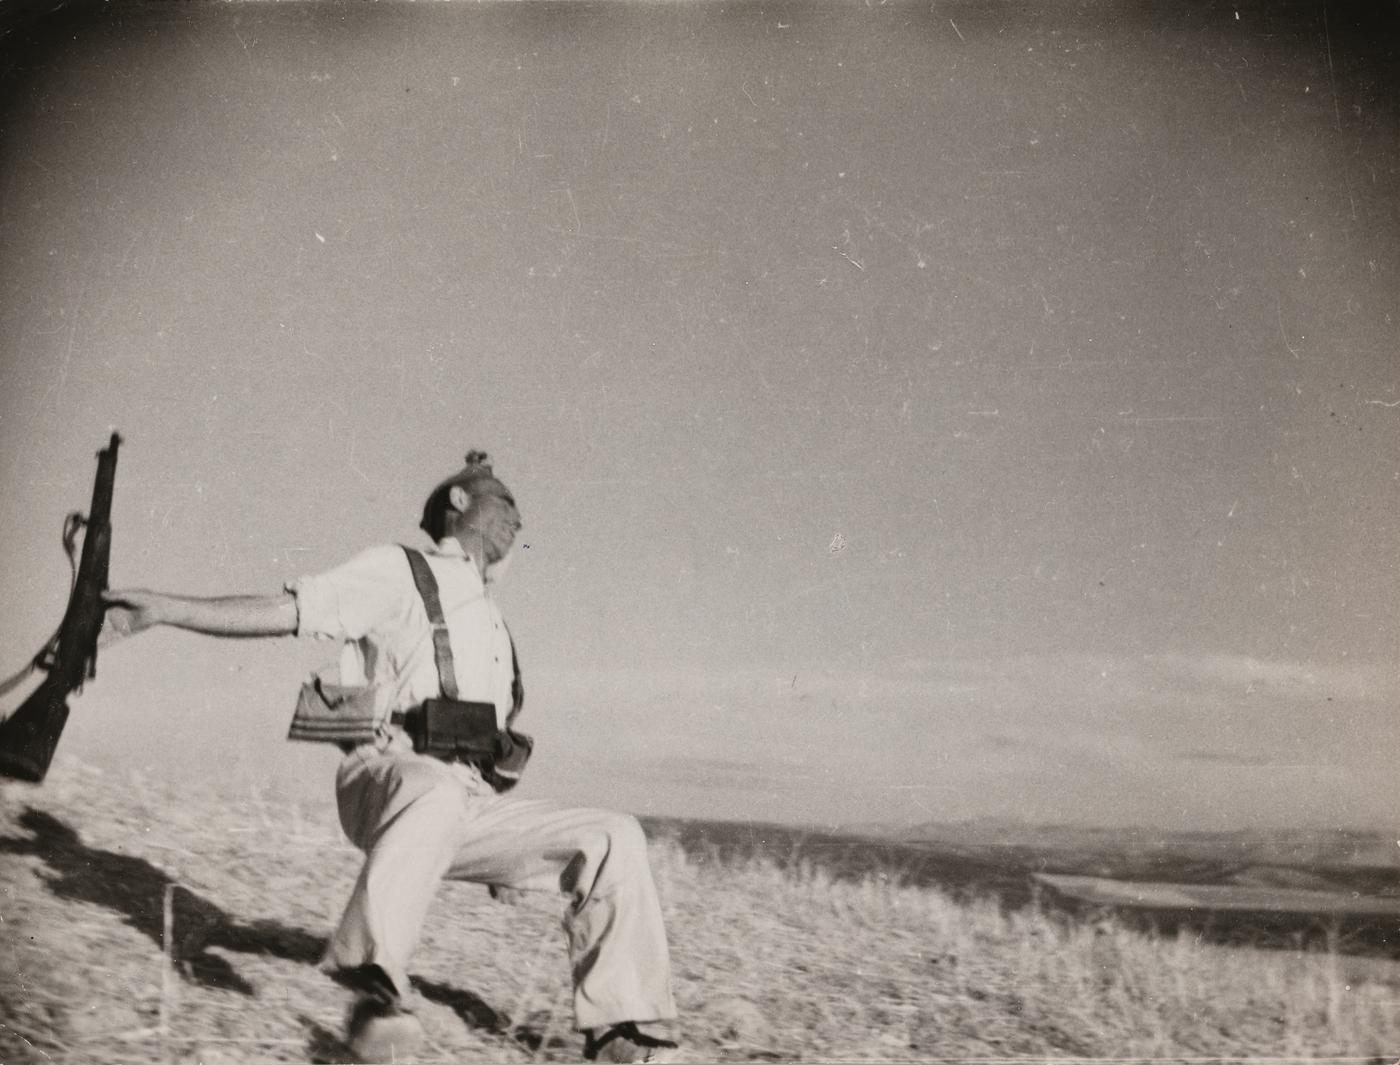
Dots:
{"x": 419, "y": 820}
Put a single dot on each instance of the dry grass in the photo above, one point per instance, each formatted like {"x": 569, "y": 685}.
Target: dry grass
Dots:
{"x": 145, "y": 925}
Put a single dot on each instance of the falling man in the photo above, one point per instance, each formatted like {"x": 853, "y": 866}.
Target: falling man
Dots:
{"x": 430, "y": 687}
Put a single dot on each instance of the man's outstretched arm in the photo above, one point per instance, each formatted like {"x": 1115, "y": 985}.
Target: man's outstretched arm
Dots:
{"x": 232, "y": 615}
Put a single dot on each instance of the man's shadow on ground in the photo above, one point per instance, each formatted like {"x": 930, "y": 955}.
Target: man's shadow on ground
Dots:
{"x": 135, "y": 889}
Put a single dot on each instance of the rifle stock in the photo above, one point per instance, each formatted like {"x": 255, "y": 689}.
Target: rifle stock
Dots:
{"x": 29, "y": 736}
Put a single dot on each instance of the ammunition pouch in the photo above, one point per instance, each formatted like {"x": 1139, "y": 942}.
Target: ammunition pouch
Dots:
{"x": 333, "y": 713}
{"x": 457, "y": 731}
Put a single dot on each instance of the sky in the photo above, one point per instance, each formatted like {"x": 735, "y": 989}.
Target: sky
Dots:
{"x": 917, "y": 414}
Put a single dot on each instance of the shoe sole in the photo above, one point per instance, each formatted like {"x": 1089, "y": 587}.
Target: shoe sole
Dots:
{"x": 646, "y": 1055}
{"x": 387, "y": 1040}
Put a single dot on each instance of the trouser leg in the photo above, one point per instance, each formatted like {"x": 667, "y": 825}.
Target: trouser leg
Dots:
{"x": 417, "y": 821}
{"x": 617, "y": 943}
{"x": 407, "y": 814}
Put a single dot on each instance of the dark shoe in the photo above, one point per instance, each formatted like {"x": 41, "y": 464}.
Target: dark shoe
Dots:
{"x": 626, "y": 1043}
{"x": 367, "y": 980}
{"x": 381, "y": 1031}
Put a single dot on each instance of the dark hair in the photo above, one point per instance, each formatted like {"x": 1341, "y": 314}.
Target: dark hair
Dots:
{"x": 435, "y": 510}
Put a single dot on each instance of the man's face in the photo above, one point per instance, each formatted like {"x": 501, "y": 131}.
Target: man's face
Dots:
{"x": 497, "y": 520}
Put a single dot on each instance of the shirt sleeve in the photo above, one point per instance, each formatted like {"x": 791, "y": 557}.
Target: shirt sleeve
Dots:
{"x": 354, "y": 599}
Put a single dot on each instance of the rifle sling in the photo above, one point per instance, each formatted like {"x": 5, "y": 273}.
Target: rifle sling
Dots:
{"x": 44, "y": 659}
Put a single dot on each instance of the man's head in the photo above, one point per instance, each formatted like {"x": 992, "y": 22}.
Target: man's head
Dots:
{"x": 472, "y": 504}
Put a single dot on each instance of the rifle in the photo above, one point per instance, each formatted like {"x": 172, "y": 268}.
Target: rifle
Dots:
{"x": 29, "y": 736}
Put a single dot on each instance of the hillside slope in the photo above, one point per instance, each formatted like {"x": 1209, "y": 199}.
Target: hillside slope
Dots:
{"x": 770, "y": 964}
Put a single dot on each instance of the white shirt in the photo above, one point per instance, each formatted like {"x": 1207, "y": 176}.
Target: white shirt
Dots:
{"x": 373, "y": 605}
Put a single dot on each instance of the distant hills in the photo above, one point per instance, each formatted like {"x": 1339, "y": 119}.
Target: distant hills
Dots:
{"x": 1317, "y": 859}
{"x": 1300, "y": 848}
{"x": 1014, "y": 862}
{"x": 955, "y": 853}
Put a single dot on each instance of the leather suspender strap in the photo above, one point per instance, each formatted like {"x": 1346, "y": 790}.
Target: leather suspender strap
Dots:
{"x": 442, "y": 646}
{"x": 517, "y": 686}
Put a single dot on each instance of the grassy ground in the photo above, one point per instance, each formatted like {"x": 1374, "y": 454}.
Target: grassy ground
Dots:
{"x": 100, "y": 874}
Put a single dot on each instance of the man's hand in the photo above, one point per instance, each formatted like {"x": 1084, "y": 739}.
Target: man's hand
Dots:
{"x": 130, "y": 612}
